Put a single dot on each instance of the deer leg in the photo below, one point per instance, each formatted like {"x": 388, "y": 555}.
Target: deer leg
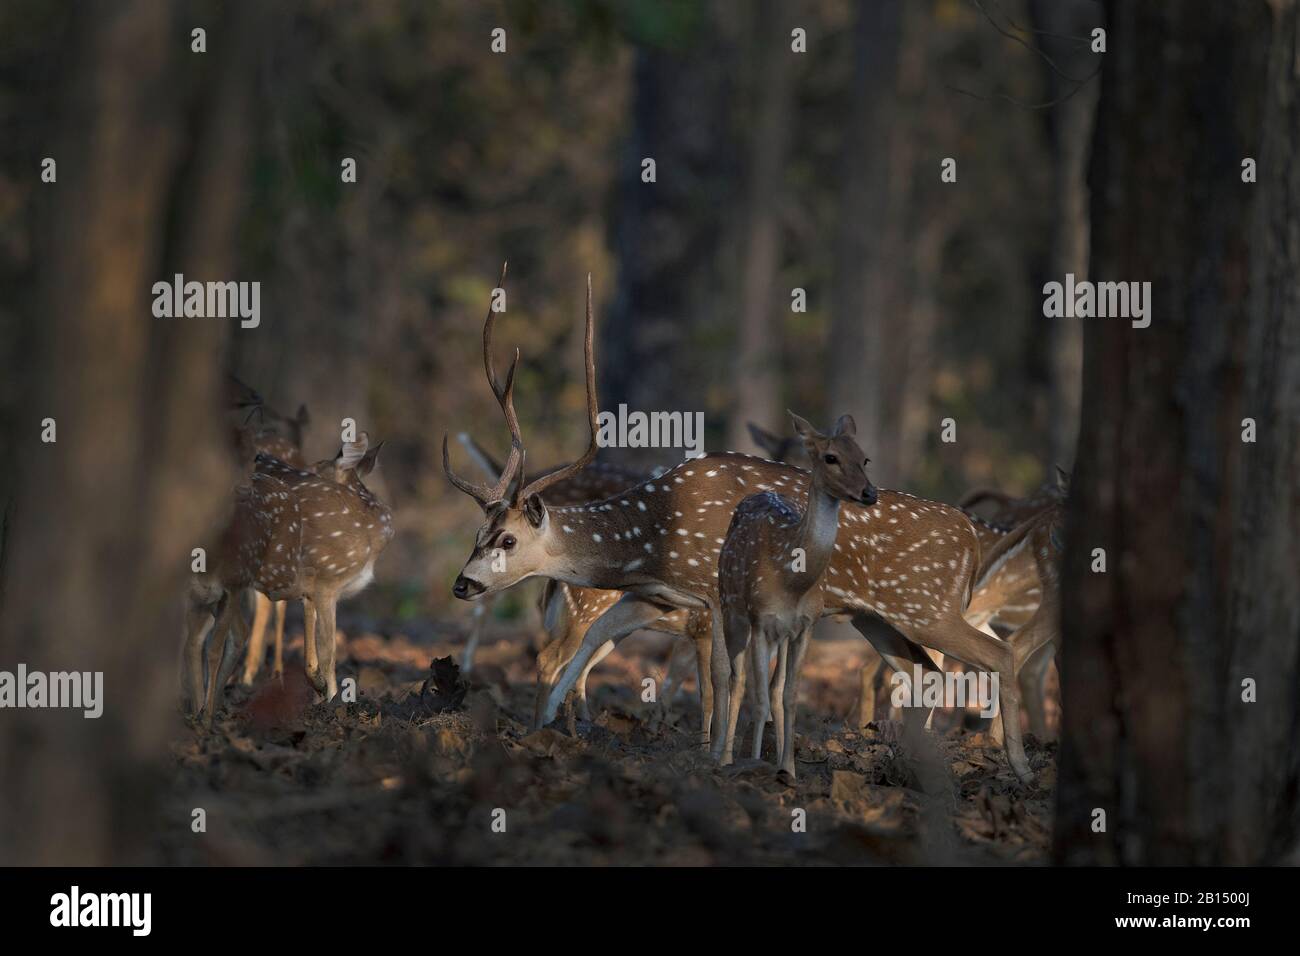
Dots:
{"x": 257, "y": 641}
{"x": 776, "y": 694}
{"x": 626, "y": 616}
{"x": 938, "y": 662}
{"x": 216, "y": 650}
{"x": 793, "y": 677}
{"x": 281, "y": 610}
{"x": 1033, "y": 678}
{"x": 580, "y": 688}
{"x": 475, "y": 635}
{"x": 736, "y": 634}
{"x": 702, "y": 635}
{"x": 312, "y": 664}
{"x": 326, "y": 646}
{"x": 761, "y": 649}
{"x": 1032, "y": 643}
{"x": 898, "y": 652}
{"x": 867, "y": 689}
{"x": 230, "y": 656}
{"x": 198, "y": 618}
{"x": 952, "y": 635}
{"x": 670, "y": 669}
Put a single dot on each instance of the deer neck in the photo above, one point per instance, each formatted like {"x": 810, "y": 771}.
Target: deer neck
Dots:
{"x": 605, "y": 545}
{"x": 815, "y": 534}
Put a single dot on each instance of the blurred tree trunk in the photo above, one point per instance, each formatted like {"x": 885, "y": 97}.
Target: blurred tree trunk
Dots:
{"x": 757, "y": 371}
{"x": 1200, "y": 592}
{"x": 860, "y": 290}
{"x": 104, "y": 519}
{"x": 1069, "y": 125}
{"x": 914, "y": 390}
{"x": 910, "y": 262}
{"x": 668, "y": 235}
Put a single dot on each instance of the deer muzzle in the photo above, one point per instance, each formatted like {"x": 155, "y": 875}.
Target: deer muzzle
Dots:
{"x": 467, "y": 588}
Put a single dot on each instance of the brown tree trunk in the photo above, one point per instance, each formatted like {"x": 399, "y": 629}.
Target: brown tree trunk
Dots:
{"x": 1070, "y": 134}
{"x": 757, "y": 373}
{"x": 863, "y": 266}
{"x": 104, "y": 518}
{"x": 1201, "y": 530}
{"x": 910, "y": 265}
{"x": 655, "y": 350}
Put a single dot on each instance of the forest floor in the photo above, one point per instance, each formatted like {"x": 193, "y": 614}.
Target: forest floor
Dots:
{"x": 416, "y": 773}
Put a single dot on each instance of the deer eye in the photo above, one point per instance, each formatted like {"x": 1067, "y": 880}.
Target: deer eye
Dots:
{"x": 831, "y": 460}
{"x": 506, "y": 542}
{"x": 865, "y": 462}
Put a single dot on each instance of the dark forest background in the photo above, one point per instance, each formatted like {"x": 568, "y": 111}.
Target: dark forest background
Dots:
{"x": 775, "y": 170}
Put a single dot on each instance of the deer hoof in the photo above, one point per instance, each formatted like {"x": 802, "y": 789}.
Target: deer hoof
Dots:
{"x": 317, "y": 681}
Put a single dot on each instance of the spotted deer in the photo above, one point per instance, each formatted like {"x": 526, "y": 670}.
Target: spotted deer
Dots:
{"x": 1018, "y": 588}
{"x": 1000, "y": 602}
{"x": 277, "y": 436}
{"x": 296, "y": 534}
{"x": 772, "y": 560}
{"x": 258, "y": 430}
{"x": 1007, "y": 592}
{"x": 905, "y": 560}
{"x": 568, "y": 610}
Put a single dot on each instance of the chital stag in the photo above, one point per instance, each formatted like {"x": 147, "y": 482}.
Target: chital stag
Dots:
{"x": 769, "y": 569}
{"x": 907, "y": 561}
{"x": 296, "y": 534}
{"x": 568, "y": 611}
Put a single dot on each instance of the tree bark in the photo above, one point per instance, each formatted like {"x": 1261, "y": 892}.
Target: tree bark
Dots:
{"x": 862, "y": 265}
{"x": 1201, "y": 530}
{"x": 105, "y": 517}
{"x": 668, "y": 234}
{"x": 757, "y": 372}
{"x": 1069, "y": 125}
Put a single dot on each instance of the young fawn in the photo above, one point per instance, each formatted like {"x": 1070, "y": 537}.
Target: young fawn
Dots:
{"x": 302, "y": 535}
{"x": 770, "y": 574}
{"x": 278, "y": 436}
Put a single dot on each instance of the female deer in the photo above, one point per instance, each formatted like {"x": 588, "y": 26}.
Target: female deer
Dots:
{"x": 769, "y": 576}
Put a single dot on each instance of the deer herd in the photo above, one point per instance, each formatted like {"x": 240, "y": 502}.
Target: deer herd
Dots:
{"x": 742, "y": 555}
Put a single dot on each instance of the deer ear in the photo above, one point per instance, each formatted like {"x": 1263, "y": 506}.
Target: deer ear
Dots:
{"x": 846, "y": 426}
{"x": 351, "y": 453}
{"x": 535, "y": 510}
{"x": 763, "y": 438}
{"x": 368, "y": 461}
{"x": 802, "y": 427}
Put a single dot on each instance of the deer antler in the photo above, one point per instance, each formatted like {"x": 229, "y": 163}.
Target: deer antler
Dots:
{"x": 484, "y": 494}
{"x": 545, "y": 481}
